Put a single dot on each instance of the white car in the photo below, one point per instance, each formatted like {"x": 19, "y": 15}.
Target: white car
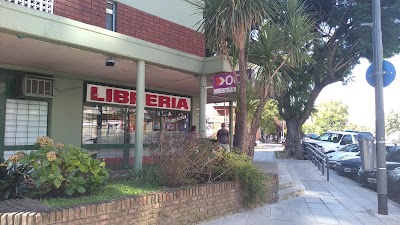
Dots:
{"x": 332, "y": 141}
{"x": 347, "y": 152}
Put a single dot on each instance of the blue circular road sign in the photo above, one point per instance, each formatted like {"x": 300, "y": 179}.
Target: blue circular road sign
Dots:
{"x": 389, "y": 73}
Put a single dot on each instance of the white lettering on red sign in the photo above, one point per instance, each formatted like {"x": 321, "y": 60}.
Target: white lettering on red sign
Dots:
{"x": 228, "y": 80}
{"x": 120, "y": 96}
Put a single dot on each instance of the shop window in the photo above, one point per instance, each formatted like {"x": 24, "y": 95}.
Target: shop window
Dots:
{"x": 117, "y": 125}
{"x": 175, "y": 121}
{"x": 25, "y": 121}
{"x": 110, "y": 16}
{"x": 109, "y": 131}
{"x": 103, "y": 125}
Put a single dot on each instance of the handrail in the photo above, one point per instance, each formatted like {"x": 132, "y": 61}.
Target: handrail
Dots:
{"x": 318, "y": 158}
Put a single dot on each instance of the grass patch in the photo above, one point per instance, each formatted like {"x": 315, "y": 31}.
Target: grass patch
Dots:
{"x": 115, "y": 189}
{"x": 281, "y": 154}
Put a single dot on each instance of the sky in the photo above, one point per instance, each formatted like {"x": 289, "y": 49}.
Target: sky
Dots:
{"x": 359, "y": 96}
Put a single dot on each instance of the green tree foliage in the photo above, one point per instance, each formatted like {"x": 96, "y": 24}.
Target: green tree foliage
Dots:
{"x": 393, "y": 122}
{"x": 269, "y": 114}
{"x": 276, "y": 44}
{"x": 357, "y": 127}
{"x": 308, "y": 127}
{"x": 343, "y": 42}
{"x": 330, "y": 115}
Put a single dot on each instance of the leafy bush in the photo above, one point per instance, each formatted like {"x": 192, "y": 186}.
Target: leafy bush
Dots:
{"x": 64, "y": 169}
{"x": 14, "y": 178}
{"x": 239, "y": 167}
{"x": 147, "y": 175}
{"x": 182, "y": 158}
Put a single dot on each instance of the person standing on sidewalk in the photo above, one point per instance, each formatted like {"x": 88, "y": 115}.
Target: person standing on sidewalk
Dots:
{"x": 223, "y": 137}
{"x": 193, "y": 132}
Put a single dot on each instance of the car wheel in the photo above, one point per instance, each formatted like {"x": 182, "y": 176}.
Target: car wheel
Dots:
{"x": 360, "y": 180}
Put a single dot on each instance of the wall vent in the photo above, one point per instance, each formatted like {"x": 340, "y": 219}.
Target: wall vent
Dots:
{"x": 34, "y": 86}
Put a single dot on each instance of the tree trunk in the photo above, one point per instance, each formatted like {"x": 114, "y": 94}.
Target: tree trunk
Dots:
{"x": 255, "y": 123}
{"x": 238, "y": 128}
{"x": 293, "y": 139}
{"x": 252, "y": 138}
{"x": 241, "y": 132}
{"x": 293, "y": 125}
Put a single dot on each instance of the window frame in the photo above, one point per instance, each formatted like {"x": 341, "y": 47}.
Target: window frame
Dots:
{"x": 111, "y": 12}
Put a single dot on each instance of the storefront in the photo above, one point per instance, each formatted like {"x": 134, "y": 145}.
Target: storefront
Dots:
{"x": 109, "y": 121}
{"x": 26, "y": 101}
{"x": 76, "y": 96}
{"x": 108, "y": 124}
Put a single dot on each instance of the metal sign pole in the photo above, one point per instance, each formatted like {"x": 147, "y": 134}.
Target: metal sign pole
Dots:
{"x": 379, "y": 110}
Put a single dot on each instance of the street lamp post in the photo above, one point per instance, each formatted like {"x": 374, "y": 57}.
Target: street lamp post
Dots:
{"x": 379, "y": 110}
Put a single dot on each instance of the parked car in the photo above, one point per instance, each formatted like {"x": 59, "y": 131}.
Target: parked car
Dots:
{"x": 350, "y": 167}
{"x": 393, "y": 180}
{"x": 332, "y": 141}
{"x": 347, "y": 152}
{"x": 392, "y": 162}
{"x": 310, "y": 136}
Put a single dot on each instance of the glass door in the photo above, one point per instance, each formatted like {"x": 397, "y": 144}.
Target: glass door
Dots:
{"x": 104, "y": 132}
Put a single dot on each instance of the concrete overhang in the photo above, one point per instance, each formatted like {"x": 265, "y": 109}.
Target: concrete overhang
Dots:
{"x": 60, "y": 30}
{"x": 51, "y": 44}
{"x": 215, "y": 64}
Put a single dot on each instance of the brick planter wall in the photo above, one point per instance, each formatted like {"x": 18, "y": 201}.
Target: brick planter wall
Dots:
{"x": 181, "y": 206}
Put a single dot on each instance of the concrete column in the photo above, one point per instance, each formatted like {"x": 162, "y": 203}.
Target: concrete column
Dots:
{"x": 202, "y": 106}
{"x": 231, "y": 123}
{"x": 140, "y": 102}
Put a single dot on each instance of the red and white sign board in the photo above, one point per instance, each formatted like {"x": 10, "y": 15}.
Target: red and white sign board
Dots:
{"x": 225, "y": 83}
{"x": 119, "y": 96}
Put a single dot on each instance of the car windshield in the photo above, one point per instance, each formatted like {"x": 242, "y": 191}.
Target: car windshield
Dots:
{"x": 331, "y": 137}
{"x": 394, "y": 154}
{"x": 388, "y": 148}
{"x": 312, "y": 136}
{"x": 350, "y": 148}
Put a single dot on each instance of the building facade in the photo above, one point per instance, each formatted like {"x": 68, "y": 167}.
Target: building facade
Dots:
{"x": 101, "y": 74}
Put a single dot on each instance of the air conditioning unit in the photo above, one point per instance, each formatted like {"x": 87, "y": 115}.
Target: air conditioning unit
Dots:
{"x": 34, "y": 86}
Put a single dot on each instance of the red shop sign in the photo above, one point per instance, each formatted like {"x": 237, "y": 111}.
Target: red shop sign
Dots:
{"x": 120, "y": 96}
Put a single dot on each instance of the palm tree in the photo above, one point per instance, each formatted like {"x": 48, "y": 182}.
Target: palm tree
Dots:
{"x": 282, "y": 44}
{"x": 284, "y": 30}
{"x": 228, "y": 23}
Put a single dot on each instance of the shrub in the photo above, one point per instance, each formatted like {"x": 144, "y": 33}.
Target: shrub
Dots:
{"x": 182, "y": 158}
{"x": 64, "y": 169}
{"x": 239, "y": 167}
{"x": 14, "y": 178}
{"x": 147, "y": 175}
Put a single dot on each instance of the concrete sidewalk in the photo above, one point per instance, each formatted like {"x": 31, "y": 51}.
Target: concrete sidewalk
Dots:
{"x": 338, "y": 201}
